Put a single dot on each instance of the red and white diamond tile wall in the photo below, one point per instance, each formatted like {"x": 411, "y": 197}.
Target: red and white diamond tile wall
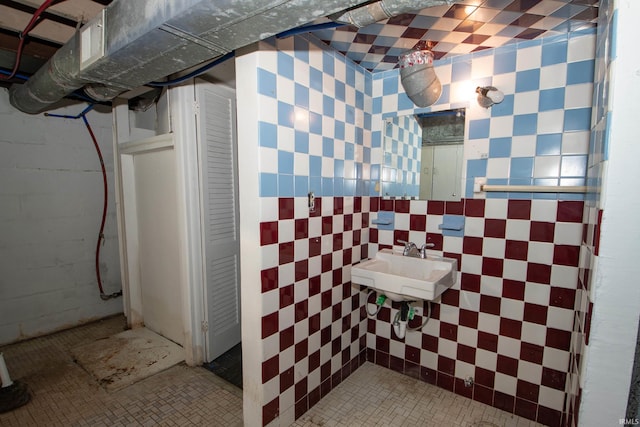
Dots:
{"x": 589, "y": 250}
{"x": 508, "y": 322}
{"x": 313, "y": 323}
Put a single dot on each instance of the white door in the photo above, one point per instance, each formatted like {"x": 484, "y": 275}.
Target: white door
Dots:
{"x": 426, "y": 173}
{"x": 447, "y": 171}
{"x": 216, "y": 126}
{"x": 155, "y": 182}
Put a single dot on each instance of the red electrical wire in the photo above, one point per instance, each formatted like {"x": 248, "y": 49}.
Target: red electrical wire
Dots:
{"x": 100, "y": 241}
{"x": 104, "y": 212}
{"x": 23, "y": 36}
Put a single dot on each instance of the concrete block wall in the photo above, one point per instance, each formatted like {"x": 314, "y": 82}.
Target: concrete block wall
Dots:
{"x": 50, "y": 210}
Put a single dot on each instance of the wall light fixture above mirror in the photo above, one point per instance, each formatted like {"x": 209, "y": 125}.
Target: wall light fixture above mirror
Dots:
{"x": 423, "y": 156}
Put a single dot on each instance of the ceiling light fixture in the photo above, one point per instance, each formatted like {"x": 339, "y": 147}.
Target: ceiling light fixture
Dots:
{"x": 489, "y": 95}
{"x": 418, "y": 77}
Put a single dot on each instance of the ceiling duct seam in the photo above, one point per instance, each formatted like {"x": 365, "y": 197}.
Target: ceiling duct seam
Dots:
{"x": 219, "y": 50}
{"x": 373, "y": 12}
{"x": 258, "y": 11}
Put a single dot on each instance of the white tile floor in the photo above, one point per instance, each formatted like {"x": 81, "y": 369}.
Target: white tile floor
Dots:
{"x": 375, "y": 396}
{"x": 63, "y": 394}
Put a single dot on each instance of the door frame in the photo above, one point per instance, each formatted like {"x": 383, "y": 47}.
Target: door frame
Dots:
{"x": 128, "y": 221}
{"x": 183, "y": 110}
{"x": 177, "y": 113}
{"x": 127, "y": 138}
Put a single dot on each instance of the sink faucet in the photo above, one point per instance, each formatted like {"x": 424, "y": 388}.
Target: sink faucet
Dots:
{"x": 411, "y": 249}
{"x": 408, "y": 247}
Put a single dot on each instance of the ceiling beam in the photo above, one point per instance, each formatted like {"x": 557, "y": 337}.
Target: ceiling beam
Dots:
{"x": 77, "y": 10}
{"x": 15, "y": 20}
{"x": 32, "y": 47}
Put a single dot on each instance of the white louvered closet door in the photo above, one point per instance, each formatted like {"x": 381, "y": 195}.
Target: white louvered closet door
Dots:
{"x": 216, "y": 124}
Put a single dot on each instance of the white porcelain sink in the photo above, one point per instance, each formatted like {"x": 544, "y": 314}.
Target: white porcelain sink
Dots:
{"x": 404, "y": 278}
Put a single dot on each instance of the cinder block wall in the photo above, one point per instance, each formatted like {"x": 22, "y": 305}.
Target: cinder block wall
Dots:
{"x": 50, "y": 211}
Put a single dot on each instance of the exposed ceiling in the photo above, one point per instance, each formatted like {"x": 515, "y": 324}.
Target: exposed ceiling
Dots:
{"x": 57, "y": 24}
{"x": 467, "y": 26}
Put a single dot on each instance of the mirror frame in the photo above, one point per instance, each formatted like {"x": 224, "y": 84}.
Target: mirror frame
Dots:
{"x": 404, "y": 147}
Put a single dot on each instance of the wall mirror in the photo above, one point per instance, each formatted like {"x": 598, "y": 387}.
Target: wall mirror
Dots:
{"x": 423, "y": 155}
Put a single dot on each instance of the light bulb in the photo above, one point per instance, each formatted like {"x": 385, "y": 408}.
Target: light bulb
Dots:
{"x": 495, "y": 95}
{"x": 489, "y": 95}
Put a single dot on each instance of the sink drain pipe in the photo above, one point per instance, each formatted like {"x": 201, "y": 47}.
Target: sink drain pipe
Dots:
{"x": 13, "y": 394}
{"x": 402, "y": 318}
{"x": 400, "y": 321}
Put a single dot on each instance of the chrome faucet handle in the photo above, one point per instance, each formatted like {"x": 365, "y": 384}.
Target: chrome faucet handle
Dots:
{"x": 423, "y": 249}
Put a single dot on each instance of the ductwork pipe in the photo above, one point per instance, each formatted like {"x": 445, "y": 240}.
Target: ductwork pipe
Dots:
{"x": 134, "y": 42}
{"x": 57, "y": 79}
{"x": 374, "y": 12}
{"x": 418, "y": 77}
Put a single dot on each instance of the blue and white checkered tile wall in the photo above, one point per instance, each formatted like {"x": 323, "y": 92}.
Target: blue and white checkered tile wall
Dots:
{"x": 539, "y": 134}
{"x": 401, "y": 166}
{"x": 315, "y": 137}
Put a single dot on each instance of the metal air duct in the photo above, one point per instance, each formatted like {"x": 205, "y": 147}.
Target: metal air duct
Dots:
{"x": 418, "y": 77}
{"x": 419, "y": 80}
{"x": 383, "y": 9}
{"x": 134, "y": 42}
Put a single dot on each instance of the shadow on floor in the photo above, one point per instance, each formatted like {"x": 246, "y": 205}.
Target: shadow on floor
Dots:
{"x": 228, "y": 366}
